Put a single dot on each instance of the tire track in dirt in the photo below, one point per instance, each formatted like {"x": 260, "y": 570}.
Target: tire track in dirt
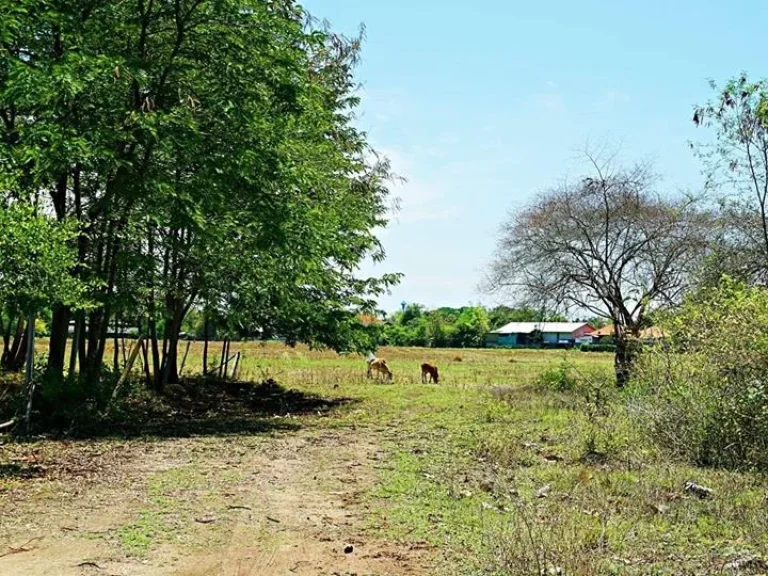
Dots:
{"x": 296, "y": 505}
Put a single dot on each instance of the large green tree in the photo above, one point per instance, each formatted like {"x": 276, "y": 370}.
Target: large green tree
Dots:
{"x": 207, "y": 150}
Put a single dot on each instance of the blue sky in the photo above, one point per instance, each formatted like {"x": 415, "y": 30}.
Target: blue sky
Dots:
{"x": 481, "y": 105}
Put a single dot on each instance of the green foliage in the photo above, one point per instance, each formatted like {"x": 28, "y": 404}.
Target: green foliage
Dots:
{"x": 207, "y": 154}
{"x": 36, "y": 258}
{"x": 472, "y": 326}
{"x": 598, "y": 348}
{"x": 560, "y": 378}
{"x": 736, "y": 165}
{"x": 446, "y": 327}
{"x": 597, "y": 322}
{"x": 41, "y": 328}
{"x": 65, "y": 405}
{"x": 441, "y": 328}
{"x": 502, "y": 315}
{"x": 704, "y": 396}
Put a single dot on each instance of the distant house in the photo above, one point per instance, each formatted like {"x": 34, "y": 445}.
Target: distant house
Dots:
{"x": 121, "y": 331}
{"x": 522, "y": 334}
{"x": 604, "y": 332}
{"x": 650, "y": 334}
{"x": 368, "y": 319}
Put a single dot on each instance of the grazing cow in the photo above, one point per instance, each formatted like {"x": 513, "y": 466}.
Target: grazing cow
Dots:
{"x": 431, "y": 371}
{"x": 379, "y": 365}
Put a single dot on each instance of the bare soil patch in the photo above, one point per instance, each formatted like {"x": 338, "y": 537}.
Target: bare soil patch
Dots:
{"x": 290, "y": 503}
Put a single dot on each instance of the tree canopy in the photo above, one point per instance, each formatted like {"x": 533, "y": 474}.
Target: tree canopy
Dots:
{"x": 608, "y": 244}
{"x": 447, "y": 327}
{"x": 736, "y": 166}
{"x": 207, "y": 154}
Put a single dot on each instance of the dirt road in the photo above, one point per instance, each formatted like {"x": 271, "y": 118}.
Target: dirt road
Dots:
{"x": 259, "y": 505}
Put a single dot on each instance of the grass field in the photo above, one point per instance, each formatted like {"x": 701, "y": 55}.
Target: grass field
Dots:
{"x": 303, "y": 366}
{"x": 486, "y": 473}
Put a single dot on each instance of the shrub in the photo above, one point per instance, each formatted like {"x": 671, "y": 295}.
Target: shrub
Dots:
{"x": 61, "y": 404}
{"x": 593, "y": 393}
{"x": 598, "y": 348}
{"x": 704, "y": 396}
{"x": 560, "y": 378}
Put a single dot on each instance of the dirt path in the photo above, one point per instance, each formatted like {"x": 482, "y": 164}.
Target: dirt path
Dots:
{"x": 255, "y": 505}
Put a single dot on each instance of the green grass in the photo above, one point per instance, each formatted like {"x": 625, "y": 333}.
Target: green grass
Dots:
{"x": 468, "y": 459}
{"x": 465, "y": 468}
{"x": 173, "y": 498}
{"x": 138, "y": 536}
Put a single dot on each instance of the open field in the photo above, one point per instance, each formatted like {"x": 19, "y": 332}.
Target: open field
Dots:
{"x": 486, "y": 473}
{"x": 301, "y": 366}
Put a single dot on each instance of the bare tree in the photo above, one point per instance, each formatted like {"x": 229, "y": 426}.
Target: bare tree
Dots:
{"x": 608, "y": 244}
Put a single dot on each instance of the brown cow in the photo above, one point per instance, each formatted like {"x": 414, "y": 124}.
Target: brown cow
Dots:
{"x": 431, "y": 371}
{"x": 379, "y": 365}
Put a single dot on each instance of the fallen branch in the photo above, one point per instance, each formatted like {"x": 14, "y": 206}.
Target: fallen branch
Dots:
{"x": 214, "y": 369}
{"x": 8, "y": 424}
{"x": 22, "y": 548}
{"x": 236, "y": 507}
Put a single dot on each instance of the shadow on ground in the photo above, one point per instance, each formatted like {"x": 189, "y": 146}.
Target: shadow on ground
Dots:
{"x": 203, "y": 407}
{"x": 194, "y": 408}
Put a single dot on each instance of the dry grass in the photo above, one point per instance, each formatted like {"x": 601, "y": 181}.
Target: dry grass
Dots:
{"x": 261, "y": 360}
{"x": 503, "y": 476}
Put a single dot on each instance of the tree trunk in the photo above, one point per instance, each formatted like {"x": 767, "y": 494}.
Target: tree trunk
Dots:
{"x": 626, "y": 352}
{"x": 93, "y": 323}
{"x": 29, "y": 378}
{"x": 116, "y": 344}
{"x": 223, "y": 357}
{"x": 145, "y": 354}
{"x": 75, "y": 346}
{"x": 5, "y": 335}
{"x": 19, "y": 349}
{"x": 57, "y": 345}
{"x": 226, "y": 360}
{"x": 155, "y": 350}
{"x": 102, "y": 344}
{"x": 172, "y": 360}
{"x": 82, "y": 358}
{"x": 205, "y": 347}
{"x": 11, "y": 360}
{"x": 184, "y": 359}
{"x": 97, "y": 337}
{"x": 170, "y": 365}
{"x": 6, "y": 329}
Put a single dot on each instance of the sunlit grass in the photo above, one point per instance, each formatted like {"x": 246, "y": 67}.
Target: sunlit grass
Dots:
{"x": 503, "y": 475}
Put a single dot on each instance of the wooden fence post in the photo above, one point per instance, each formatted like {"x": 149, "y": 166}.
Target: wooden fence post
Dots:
{"x": 29, "y": 376}
{"x": 131, "y": 359}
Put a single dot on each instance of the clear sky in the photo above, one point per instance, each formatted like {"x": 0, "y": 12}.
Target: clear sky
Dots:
{"x": 482, "y": 104}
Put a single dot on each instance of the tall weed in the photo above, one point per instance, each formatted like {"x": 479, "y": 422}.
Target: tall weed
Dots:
{"x": 704, "y": 395}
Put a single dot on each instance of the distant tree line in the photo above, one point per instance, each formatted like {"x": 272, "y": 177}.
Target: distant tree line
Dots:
{"x": 446, "y": 327}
